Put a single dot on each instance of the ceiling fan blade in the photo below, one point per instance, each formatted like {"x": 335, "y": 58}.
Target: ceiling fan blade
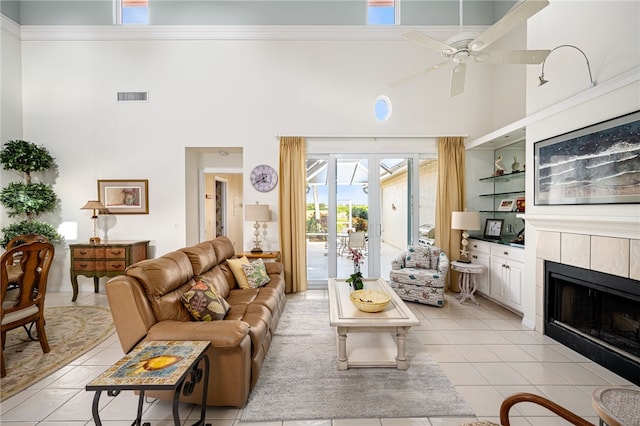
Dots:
{"x": 419, "y": 73}
{"x": 431, "y": 43}
{"x": 512, "y": 56}
{"x": 515, "y": 17}
{"x": 457, "y": 79}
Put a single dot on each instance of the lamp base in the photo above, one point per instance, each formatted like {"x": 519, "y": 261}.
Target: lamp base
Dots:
{"x": 257, "y": 250}
{"x": 464, "y": 260}
{"x": 94, "y": 240}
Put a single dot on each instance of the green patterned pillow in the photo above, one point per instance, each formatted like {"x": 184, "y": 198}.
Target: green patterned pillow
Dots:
{"x": 204, "y": 303}
{"x": 256, "y": 273}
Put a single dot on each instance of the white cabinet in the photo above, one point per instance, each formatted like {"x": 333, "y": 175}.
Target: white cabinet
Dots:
{"x": 480, "y": 252}
{"x": 503, "y": 277}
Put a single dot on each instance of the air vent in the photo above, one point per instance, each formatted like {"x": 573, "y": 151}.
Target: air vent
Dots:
{"x": 133, "y": 96}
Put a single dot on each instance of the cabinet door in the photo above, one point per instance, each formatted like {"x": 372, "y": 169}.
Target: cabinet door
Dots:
{"x": 514, "y": 276}
{"x": 482, "y": 280}
{"x": 497, "y": 278}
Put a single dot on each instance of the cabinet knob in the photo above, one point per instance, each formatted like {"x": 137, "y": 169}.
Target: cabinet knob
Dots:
{"x": 474, "y": 256}
{"x": 506, "y": 253}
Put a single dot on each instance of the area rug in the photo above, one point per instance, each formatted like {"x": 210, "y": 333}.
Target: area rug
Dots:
{"x": 71, "y": 331}
{"x": 300, "y": 380}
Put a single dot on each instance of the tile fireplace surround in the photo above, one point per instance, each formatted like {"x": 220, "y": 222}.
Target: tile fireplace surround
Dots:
{"x": 601, "y": 244}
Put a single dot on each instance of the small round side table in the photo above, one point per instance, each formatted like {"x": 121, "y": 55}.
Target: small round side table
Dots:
{"x": 617, "y": 405}
{"x": 467, "y": 279}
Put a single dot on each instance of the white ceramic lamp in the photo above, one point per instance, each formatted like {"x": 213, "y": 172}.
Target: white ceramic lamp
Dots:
{"x": 257, "y": 213}
{"x": 465, "y": 221}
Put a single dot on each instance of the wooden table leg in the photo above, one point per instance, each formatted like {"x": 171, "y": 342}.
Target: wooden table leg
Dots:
{"x": 74, "y": 285}
{"x": 401, "y": 357}
{"x": 342, "y": 348}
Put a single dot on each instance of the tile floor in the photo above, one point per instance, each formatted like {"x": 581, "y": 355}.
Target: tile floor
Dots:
{"x": 483, "y": 349}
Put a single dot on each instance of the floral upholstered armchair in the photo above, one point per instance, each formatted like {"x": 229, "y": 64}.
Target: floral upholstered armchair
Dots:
{"x": 419, "y": 274}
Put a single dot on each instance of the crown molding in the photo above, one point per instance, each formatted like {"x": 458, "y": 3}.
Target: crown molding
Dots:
{"x": 10, "y": 26}
{"x": 231, "y": 32}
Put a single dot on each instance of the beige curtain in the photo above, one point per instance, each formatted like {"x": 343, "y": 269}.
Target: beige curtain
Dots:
{"x": 450, "y": 198}
{"x": 292, "y": 207}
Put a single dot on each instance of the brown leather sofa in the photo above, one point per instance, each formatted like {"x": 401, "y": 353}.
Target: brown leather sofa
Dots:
{"x": 146, "y": 304}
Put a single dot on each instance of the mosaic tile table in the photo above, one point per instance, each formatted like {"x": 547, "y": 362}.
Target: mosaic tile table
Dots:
{"x": 156, "y": 365}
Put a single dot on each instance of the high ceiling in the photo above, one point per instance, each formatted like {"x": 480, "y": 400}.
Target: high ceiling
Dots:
{"x": 254, "y": 12}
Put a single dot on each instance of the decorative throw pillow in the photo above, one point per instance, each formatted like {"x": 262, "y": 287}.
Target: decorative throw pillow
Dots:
{"x": 238, "y": 273}
{"x": 256, "y": 273}
{"x": 204, "y": 303}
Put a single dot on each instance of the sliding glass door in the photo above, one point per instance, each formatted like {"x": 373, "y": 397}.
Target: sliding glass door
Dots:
{"x": 365, "y": 205}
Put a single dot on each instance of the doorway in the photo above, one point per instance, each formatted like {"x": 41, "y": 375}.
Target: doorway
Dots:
{"x": 372, "y": 195}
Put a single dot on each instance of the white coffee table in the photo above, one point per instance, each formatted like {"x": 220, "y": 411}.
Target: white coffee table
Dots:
{"x": 371, "y": 342}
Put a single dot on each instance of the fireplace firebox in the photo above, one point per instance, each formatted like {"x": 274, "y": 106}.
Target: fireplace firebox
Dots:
{"x": 596, "y": 314}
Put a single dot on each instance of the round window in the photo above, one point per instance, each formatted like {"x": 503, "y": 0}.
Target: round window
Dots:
{"x": 382, "y": 108}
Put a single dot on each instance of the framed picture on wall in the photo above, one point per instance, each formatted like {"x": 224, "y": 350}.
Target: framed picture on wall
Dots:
{"x": 493, "y": 229}
{"x": 124, "y": 196}
{"x": 598, "y": 164}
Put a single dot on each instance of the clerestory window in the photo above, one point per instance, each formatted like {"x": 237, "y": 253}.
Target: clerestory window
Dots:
{"x": 382, "y": 12}
{"x": 132, "y": 12}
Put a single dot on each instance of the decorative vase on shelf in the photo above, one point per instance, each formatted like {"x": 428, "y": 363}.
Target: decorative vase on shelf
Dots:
{"x": 515, "y": 166}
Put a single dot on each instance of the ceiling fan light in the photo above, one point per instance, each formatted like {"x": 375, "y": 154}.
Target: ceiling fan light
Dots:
{"x": 476, "y": 45}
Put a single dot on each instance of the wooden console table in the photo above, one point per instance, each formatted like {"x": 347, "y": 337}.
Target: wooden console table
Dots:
{"x": 266, "y": 256}
{"x": 104, "y": 260}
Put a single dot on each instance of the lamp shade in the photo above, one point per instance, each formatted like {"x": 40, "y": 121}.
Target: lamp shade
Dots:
{"x": 93, "y": 205}
{"x": 257, "y": 213}
{"x": 469, "y": 221}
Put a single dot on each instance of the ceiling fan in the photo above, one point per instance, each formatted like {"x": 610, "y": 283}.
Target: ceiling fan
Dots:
{"x": 465, "y": 46}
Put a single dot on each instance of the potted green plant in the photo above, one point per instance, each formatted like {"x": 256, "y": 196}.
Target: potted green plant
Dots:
{"x": 27, "y": 199}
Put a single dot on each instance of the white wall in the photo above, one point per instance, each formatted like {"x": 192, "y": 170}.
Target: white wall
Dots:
{"x": 208, "y": 93}
{"x": 10, "y": 82}
{"x": 613, "y": 48}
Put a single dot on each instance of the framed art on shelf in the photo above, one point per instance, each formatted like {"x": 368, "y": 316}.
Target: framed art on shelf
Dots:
{"x": 506, "y": 205}
{"x": 493, "y": 229}
{"x": 124, "y": 196}
{"x": 598, "y": 164}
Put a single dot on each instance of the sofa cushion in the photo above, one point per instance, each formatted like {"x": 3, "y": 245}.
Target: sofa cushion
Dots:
{"x": 223, "y": 248}
{"x": 204, "y": 303}
{"x": 238, "y": 272}
{"x": 164, "y": 280}
{"x": 202, "y": 257}
{"x": 256, "y": 273}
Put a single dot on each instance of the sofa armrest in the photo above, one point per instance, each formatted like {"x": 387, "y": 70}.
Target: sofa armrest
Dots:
{"x": 274, "y": 267}
{"x": 130, "y": 309}
{"x": 398, "y": 262}
{"x": 443, "y": 264}
{"x": 221, "y": 334}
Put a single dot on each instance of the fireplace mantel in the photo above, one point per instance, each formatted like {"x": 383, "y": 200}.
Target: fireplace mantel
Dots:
{"x": 614, "y": 226}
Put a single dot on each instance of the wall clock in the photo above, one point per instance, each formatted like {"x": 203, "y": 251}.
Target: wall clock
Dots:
{"x": 264, "y": 178}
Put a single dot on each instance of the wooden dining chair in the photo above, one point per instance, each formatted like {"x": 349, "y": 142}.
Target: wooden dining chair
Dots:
{"x": 26, "y": 303}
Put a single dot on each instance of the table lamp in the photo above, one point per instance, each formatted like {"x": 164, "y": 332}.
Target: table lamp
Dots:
{"x": 465, "y": 221}
{"x": 96, "y": 206}
{"x": 258, "y": 213}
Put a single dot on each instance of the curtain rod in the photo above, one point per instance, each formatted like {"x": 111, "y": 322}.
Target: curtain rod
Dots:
{"x": 374, "y": 137}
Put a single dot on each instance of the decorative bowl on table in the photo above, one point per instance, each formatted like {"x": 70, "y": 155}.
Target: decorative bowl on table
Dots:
{"x": 370, "y": 300}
